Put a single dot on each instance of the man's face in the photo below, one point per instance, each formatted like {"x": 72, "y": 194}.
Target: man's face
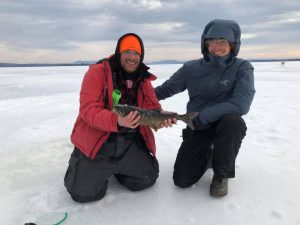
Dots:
{"x": 218, "y": 47}
{"x": 130, "y": 60}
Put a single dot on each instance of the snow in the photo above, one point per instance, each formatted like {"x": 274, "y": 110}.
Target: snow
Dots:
{"x": 38, "y": 107}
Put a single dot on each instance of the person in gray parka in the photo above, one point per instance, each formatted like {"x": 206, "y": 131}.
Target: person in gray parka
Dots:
{"x": 221, "y": 89}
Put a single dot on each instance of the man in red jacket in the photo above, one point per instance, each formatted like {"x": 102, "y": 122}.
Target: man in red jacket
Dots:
{"x": 107, "y": 144}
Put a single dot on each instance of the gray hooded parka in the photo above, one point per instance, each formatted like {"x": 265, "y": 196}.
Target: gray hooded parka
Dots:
{"x": 216, "y": 85}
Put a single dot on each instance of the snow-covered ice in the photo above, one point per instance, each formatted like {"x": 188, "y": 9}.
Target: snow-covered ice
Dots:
{"x": 38, "y": 107}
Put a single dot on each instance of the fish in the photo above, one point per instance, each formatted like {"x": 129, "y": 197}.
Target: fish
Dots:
{"x": 153, "y": 117}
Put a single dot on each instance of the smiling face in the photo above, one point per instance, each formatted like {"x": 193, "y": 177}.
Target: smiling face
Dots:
{"x": 130, "y": 60}
{"x": 218, "y": 47}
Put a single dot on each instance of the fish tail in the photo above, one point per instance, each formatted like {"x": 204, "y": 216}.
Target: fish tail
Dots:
{"x": 187, "y": 118}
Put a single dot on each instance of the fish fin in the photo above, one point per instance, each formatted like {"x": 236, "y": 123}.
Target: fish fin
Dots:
{"x": 155, "y": 127}
{"x": 188, "y": 119}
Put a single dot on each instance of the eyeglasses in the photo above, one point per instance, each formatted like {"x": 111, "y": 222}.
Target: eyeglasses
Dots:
{"x": 130, "y": 52}
{"x": 217, "y": 41}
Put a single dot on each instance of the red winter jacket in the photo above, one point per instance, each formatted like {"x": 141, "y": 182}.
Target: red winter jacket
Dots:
{"x": 94, "y": 122}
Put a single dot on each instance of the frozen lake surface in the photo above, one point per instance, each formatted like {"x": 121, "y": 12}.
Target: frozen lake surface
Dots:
{"x": 38, "y": 106}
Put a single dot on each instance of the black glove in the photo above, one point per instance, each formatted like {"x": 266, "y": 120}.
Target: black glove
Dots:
{"x": 198, "y": 125}
{"x": 196, "y": 122}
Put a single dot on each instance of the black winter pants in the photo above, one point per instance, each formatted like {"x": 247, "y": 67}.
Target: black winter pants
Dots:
{"x": 221, "y": 142}
{"x": 124, "y": 156}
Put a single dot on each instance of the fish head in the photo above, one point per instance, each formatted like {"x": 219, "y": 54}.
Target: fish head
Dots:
{"x": 121, "y": 110}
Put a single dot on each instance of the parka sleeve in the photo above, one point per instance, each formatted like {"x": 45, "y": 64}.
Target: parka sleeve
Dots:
{"x": 92, "y": 101}
{"x": 240, "y": 101}
{"x": 174, "y": 85}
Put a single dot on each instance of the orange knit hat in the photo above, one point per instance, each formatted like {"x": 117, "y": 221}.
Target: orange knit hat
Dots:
{"x": 130, "y": 42}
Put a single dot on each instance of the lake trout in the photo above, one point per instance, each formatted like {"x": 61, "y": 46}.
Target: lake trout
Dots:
{"x": 154, "y": 118}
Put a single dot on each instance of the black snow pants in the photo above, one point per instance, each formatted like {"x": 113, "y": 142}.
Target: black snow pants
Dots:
{"x": 123, "y": 155}
{"x": 218, "y": 144}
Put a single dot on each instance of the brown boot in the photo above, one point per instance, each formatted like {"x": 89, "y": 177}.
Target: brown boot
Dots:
{"x": 219, "y": 187}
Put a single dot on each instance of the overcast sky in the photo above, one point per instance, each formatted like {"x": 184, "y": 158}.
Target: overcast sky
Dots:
{"x": 69, "y": 30}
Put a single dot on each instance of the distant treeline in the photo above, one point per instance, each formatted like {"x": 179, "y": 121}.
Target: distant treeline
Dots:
{"x": 86, "y": 63}
{"x": 38, "y": 64}
{"x": 272, "y": 60}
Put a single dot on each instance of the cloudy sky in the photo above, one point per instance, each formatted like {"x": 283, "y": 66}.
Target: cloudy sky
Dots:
{"x": 69, "y": 30}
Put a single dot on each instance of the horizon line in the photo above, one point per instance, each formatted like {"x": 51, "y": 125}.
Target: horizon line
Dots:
{"x": 167, "y": 61}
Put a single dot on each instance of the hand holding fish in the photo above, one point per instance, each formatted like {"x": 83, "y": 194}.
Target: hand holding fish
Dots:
{"x": 131, "y": 120}
{"x": 166, "y": 123}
